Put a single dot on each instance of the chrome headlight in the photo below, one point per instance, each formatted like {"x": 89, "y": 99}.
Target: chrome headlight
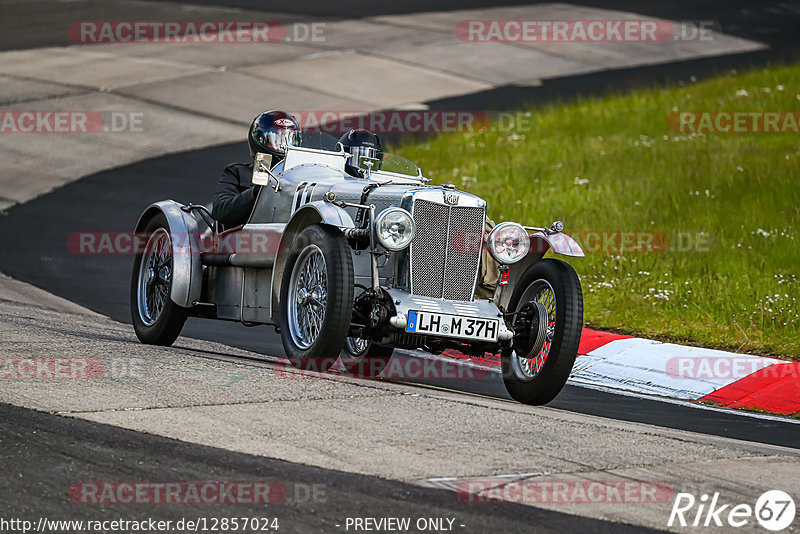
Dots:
{"x": 508, "y": 243}
{"x": 395, "y": 228}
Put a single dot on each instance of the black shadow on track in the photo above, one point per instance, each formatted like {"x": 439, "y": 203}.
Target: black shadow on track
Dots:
{"x": 45, "y": 455}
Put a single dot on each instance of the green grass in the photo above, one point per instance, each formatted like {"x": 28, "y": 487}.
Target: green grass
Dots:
{"x": 612, "y": 164}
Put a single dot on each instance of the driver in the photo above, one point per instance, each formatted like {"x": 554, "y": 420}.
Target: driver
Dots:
{"x": 235, "y": 195}
{"x": 361, "y": 143}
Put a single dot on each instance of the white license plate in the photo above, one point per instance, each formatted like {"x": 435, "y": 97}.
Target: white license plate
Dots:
{"x": 446, "y": 325}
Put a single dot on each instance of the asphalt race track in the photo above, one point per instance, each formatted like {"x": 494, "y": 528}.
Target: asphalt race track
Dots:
{"x": 43, "y": 454}
{"x": 66, "y": 448}
{"x": 775, "y": 23}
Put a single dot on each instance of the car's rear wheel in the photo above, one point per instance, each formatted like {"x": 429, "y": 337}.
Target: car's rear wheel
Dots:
{"x": 548, "y": 303}
{"x": 364, "y": 358}
{"x": 316, "y": 298}
{"x": 157, "y": 320}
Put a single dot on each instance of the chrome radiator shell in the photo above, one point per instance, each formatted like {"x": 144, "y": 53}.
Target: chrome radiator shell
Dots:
{"x": 444, "y": 256}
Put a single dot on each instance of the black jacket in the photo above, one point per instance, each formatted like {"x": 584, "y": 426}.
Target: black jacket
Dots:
{"x": 235, "y": 195}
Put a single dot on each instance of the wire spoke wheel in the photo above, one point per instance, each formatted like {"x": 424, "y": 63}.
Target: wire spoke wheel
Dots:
{"x": 308, "y": 297}
{"x": 157, "y": 320}
{"x": 316, "y": 298}
{"x": 547, "y": 302}
{"x": 155, "y": 277}
{"x": 357, "y": 346}
{"x": 527, "y": 368}
{"x": 363, "y": 358}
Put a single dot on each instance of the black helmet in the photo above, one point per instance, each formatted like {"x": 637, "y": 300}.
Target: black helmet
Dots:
{"x": 361, "y": 143}
{"x": 270, "y": 133}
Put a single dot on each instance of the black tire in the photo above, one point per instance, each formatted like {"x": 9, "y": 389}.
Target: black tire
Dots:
{"x": 320, "y": 351}
{"x": 544, "y": 385}
{"x": 367, "y": 364}
{"x": 165, "y": 327}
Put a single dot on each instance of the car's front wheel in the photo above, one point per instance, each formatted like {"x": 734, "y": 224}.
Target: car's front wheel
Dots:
{"x": 316, "y": 298}
{"x": 157, "y": 320}
{"x": 548, "y": 306}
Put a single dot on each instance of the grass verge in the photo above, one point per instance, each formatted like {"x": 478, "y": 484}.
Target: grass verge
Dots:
{"x": 721, "y": 210}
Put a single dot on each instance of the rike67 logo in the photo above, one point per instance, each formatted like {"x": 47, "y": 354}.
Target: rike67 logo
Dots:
{"x": 774, "y": 510}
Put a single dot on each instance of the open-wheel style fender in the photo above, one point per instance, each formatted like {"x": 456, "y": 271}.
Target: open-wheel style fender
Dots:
{"x": 541, "y": 242}
{"x": 318, "y": 212}
{"x": 187, "y": 275}
{"x": 560, "y": 244}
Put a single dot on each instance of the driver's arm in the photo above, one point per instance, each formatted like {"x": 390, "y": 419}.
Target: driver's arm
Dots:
{"x": 234, "y": 198}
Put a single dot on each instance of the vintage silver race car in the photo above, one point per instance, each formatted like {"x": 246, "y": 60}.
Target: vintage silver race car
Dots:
{"x": 349, "y": 268}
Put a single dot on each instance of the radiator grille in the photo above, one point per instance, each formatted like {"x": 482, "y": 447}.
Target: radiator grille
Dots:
{"x": 445, "y": 252}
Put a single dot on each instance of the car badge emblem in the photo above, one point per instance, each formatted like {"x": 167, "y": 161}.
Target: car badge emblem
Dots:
{"x": 451, "y": 198}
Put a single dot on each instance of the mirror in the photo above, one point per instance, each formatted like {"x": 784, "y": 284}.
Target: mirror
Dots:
{"x": 261, "y": 166}
{"x": 262, "y": 172}
{"x": 366, "y": 161}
